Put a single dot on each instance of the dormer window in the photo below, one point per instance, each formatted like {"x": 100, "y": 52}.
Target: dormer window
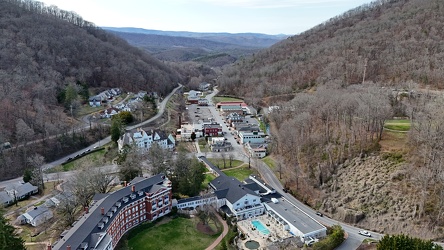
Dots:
{"x": 125, "y": 199}
{"x": 140, "y": 193}
{"x": 105, "y": 220}
{"x": 100, "y": 226}
{"x": 118, "y": 204}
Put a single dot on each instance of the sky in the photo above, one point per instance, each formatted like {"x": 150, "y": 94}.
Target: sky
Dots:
{"x": 272, "y": 17}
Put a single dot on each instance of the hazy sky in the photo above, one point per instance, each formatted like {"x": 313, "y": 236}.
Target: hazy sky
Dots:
{"x": 235, "y": 16}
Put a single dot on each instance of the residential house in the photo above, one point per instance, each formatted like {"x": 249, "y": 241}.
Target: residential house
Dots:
{"x": 36, "y": 216}
{"x": 212, "y": 129}
{"x": 21, "y": 191}
{"x": 143, "y": 140}
{"x": 204, "y": 86}
{"x": 95, "y": 101}
{"x": 256, "y": 150}
{"x": 5, "y": 199}
{"x": 111, "y": 215}
{"x": 109, "y": 112}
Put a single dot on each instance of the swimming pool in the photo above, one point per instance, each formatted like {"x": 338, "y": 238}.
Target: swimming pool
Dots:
{"x": 260, "y": 227}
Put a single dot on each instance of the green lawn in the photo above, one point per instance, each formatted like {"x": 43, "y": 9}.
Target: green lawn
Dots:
{"x": 217, "y": 99}
{"x": 399, "y": 125}
{"x": 240, "y": 173}
{"x": 220, "y": 163}
{"x": 270, "y": 162}
{"x": 208, "y": 179}
{"x": 95, "y": 158}
{"x": 179, "y": 233}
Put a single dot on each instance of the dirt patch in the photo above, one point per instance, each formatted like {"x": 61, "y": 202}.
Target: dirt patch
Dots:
{"x": 367, "y": 246}
{"x": 206, "y": 229}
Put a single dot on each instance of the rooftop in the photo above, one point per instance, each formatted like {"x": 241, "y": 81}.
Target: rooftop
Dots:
{"x": 295, "y": 216}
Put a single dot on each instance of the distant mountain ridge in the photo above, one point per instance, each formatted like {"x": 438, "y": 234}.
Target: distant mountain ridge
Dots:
{"x": 257, "y": 40}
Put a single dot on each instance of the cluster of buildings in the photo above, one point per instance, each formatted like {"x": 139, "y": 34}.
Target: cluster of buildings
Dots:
{"x": 103, "y": 97}
{"x": 110, "y": 216}
{"x": 252, "y": 198}
{"x": 128, "y": 106}
{"x": 142, "y": 139}
{"x": 247, "y": 133}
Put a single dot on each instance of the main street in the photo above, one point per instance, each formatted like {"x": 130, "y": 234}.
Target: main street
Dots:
{"x": 354, "y": 239}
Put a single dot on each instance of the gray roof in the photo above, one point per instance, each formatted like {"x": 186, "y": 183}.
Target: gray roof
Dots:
{"x": 26, "y": 189}
{"x": 295, "y": 216}
{"x": 37, "y": 211}
{"x": 195, "y": 198}
{"x": 5, "y": 198}
{"x": 86, "y": 228}
{"x": 235, "y": 189}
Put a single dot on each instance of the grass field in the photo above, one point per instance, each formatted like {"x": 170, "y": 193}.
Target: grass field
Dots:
{"x": 217, "y": 99}
{"x": 239, "y": 173}
{"x": 179, "y": 233}
{"x": 208, "y": 179}
{"x": 270, "y": 162}
{"x": 398, "y": 125}
{"x": 94, "y": 157}
{"x": 220, "y": 163}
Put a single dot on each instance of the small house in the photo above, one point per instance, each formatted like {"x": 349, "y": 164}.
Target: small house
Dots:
{"x": 36, "y": 216}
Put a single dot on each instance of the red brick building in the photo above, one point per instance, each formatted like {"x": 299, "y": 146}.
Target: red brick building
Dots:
{"x": 110, "y": 216}
{"x": 213, "y": 129}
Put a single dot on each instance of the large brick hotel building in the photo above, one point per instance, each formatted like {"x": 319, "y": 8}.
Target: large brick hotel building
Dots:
{"x": 110, "y": 216}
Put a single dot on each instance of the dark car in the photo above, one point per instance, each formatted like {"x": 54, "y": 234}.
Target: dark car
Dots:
{"x": 285, "y": 190}
{"x": 319, "y": 214}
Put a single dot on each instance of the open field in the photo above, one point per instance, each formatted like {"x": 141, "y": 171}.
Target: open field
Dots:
{"x": 220, "y": 163}
{"x": 239, "y": 173}
{"x": 401, "y": 125}
{"x": 217, "y": 99}
{"x": 179, "y": 233}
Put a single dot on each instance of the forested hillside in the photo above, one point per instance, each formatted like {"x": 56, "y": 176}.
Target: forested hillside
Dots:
{"x": 334, "y": 87}
{"x": 387, "y": 41}
{"x": 43, "y": 49}
{"x": 46, "y": 55}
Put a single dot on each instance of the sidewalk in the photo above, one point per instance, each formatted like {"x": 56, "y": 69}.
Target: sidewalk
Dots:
{"x": 220, "y": 238}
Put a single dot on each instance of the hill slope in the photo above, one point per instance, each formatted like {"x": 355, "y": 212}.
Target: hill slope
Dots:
{"x": 391, "y": 41}
{"x": 43, "y": 49}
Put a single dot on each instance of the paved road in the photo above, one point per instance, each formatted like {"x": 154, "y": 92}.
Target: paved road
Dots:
{"x": 354, "y": 239}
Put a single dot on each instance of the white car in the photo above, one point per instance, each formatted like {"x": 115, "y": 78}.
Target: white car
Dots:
{"x": 365, "y": 233}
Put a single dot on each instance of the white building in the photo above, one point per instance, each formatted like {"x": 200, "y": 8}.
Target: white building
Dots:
{"x": 143, "y": 140}
{"x": 253, "y": 137}
{"x": 294, "y": 220}
{"x": 36, "y": 216}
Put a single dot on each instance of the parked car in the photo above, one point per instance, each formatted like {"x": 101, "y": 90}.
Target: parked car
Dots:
{"x": 364, "y": 233}
{"x": 319, "y": 214}
{"x": 285, "y": 190}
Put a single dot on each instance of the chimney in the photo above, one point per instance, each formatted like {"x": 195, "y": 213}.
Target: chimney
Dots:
{"x": 68, "y": 247}
{"x": 102, "y": 211}
{"x": 133, "y": 188}
{"x": 48, "y": 247}
{"x": 86, "y": 210}
{"x": 124, "y": 183}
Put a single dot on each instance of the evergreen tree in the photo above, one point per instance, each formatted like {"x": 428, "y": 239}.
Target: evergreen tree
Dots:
{"x": 116, "y": 129}
{"x": 405, "y": 242}
{"x": 8, "y": 237}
